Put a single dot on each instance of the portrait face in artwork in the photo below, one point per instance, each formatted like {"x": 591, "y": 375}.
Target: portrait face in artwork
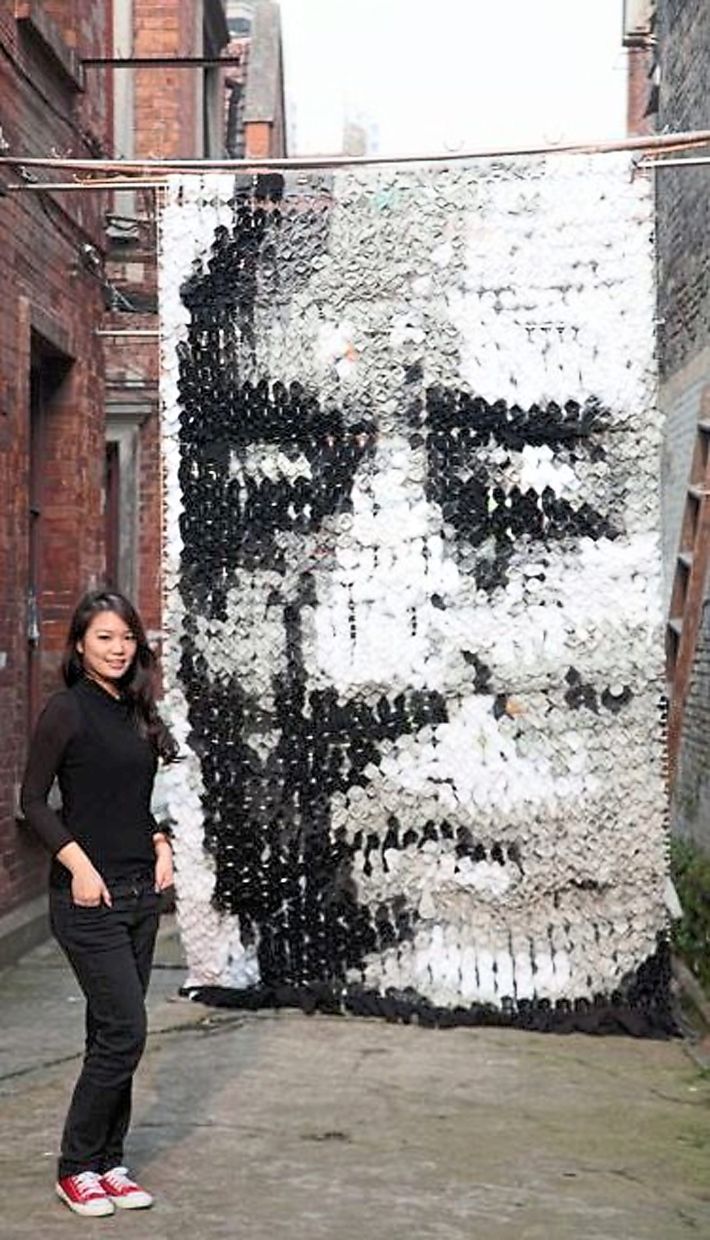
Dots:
{"x": 412, "y": 620}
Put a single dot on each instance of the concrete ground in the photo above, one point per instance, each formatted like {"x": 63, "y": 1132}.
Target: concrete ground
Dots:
{"x": 267, "y": 1126}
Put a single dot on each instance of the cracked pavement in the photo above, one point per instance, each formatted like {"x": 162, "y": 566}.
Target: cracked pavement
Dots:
{"x": 275, "y": 1124}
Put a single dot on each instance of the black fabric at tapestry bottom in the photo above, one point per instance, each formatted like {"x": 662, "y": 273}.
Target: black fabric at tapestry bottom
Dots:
{"x": 292, "y": 765}
{"x": 644, "y": 1012}
{"x": 599, "y": 1018}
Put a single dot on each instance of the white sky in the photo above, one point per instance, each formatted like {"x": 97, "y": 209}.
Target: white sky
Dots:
{"x": 437, "y": 75}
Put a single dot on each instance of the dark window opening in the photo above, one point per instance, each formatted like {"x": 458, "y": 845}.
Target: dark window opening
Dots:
{"x": 112, "y": 513}
{"x": 48, "y": 370}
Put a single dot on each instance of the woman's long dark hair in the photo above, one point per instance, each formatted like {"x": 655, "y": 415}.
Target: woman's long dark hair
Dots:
{"x": 137, "y": 684}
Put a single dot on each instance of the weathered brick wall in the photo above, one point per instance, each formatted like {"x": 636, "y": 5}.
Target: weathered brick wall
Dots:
{"x": 640, "y": 117}
{"x": 167, "y": 124}
{"x": 46, "y": 290}
{"x": 86, "y": 29}
{"x": 167, "y": 113}
{"x": 683, "y": 204}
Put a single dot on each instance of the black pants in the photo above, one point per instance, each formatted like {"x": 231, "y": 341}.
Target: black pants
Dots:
{"x": 111, "y": 953}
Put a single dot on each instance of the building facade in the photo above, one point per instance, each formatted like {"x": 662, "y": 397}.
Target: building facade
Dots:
{"x": 683, "y": 224}
{"x": 639, "y": 39}
{"x": 80, "y": 469}
{"x": 163, "y": 111}
{"x": 51, "y": 387}
{"x": 194, "y": 111}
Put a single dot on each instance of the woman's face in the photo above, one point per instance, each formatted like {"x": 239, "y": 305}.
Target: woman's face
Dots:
{"x": 108, "y": 648}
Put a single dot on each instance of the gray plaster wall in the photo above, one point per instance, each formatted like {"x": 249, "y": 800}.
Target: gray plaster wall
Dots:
{"x": 681, "y": 402}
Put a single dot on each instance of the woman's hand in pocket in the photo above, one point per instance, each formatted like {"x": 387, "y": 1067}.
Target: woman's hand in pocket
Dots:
{"x": 88, "y": 889}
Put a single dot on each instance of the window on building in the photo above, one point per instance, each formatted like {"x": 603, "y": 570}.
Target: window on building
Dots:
{"x": 112, "y": 513}
{"x": 638, "y": 22}
{"x": 239, "y": 27}
{"x": 122, "y": 494}
{"x": 48, "y": 371}
{"x": 240, "y": 15}
{"x": 212, "y": 114}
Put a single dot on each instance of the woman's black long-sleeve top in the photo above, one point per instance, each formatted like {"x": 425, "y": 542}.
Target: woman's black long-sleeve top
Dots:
{"x": 87, "y": 740}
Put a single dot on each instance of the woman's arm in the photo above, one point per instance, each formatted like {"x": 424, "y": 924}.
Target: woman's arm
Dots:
{"x": 56, "y": 726}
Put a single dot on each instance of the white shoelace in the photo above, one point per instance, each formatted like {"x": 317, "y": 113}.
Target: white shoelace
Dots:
{"x": 118, "y": 1177}
{"x": 88, "y": 1182}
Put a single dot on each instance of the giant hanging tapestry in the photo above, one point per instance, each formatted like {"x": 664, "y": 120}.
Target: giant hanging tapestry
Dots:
{"x": 413, "y": 624}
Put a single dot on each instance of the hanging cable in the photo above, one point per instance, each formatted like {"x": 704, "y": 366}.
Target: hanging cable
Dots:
{"x": 162, "y": 167}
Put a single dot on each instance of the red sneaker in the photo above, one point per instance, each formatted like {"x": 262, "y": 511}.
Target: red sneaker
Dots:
{"x": 123, "y": 1192}
{"x": 84, "y": 1194}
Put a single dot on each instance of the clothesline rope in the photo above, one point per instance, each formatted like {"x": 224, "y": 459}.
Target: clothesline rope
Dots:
{"x": 643, "y": 143}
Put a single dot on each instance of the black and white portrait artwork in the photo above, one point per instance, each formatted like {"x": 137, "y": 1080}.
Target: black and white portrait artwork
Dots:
{"x": 413, "y": 619}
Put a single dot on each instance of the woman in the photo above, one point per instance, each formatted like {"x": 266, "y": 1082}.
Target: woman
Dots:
{"x": 102, "y": 737}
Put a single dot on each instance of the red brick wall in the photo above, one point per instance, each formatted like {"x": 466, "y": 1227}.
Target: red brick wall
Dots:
{"x": 46, "y": 289}
{"x": 167, "y": 121}
{"x": 638, "y": 120}
{"x": 168, "y": 124}
{"x": 258, "y": 140}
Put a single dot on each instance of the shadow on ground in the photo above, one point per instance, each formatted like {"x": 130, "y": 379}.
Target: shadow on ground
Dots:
{"x": 266, "y": 1126}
